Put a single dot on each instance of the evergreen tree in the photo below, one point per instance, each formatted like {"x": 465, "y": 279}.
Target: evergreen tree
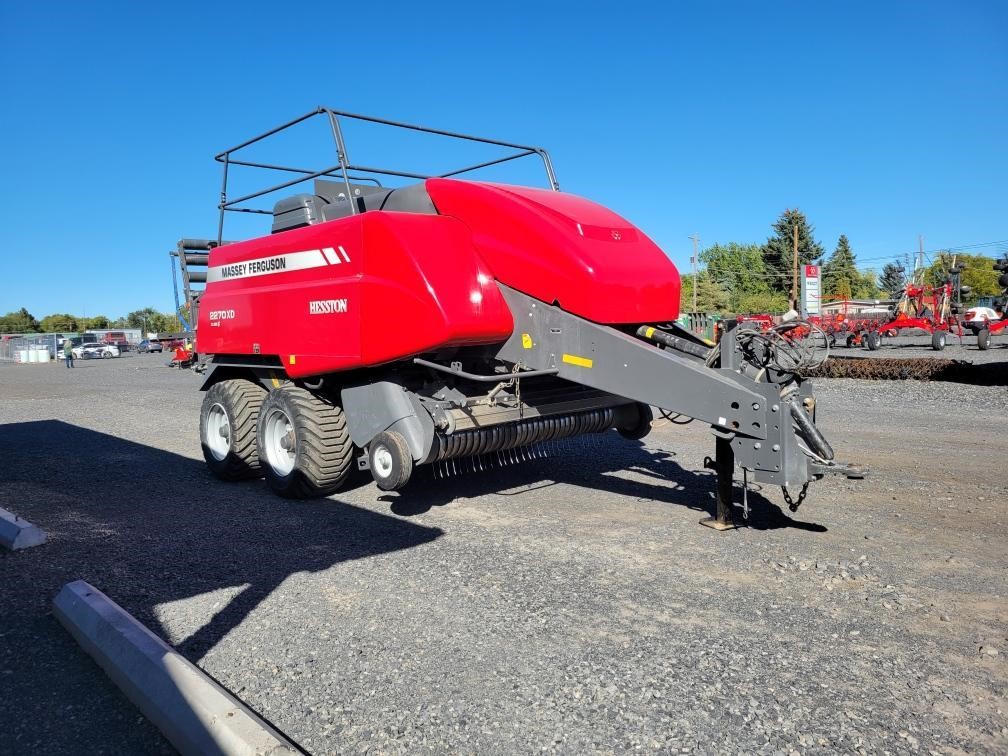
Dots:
{"x": 778, "y": 252}
{"x": 841, "y": 266}
{"x": 842, "y": 289}
{"x": 893, "y": 279}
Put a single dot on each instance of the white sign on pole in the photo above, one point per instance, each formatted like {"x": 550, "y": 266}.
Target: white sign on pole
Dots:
{"x": 810, "y": 294}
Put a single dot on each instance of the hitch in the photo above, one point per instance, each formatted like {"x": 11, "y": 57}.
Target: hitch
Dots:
{"x": 748, "y": 387}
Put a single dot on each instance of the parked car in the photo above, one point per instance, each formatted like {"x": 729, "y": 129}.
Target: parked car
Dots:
{"x": 150, "y": 345}
{"x": 978, "y": 318}
{"x": 95, "y": 351}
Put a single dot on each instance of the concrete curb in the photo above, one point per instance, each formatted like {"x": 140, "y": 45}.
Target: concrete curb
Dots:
{"x": 192, "y": 711}
{"x": 16, "y": 533}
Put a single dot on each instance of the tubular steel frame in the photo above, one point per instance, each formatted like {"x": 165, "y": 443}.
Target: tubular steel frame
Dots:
{"x": 344, "y": 166}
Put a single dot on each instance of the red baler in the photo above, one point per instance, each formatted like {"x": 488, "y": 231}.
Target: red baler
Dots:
{"x": 450, "y": 318}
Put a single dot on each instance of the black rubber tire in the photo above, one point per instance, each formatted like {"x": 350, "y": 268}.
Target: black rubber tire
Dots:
{"x": 850, "y": 340}
{"x": 938, "y": 340}
{"x": 983, "y": 339}
{"x": 106, "y": 355}
{"x": 872, "y": 340}
{"x": 323, "y": 449}
{"x": 240, "y": 400}
{"x": 401, "y": 460}
{"x": 641, "y": 425}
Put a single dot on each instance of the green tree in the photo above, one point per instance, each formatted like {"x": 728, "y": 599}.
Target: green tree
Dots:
{"x": 893, "y": 279}
{"x": 21, "y": 321}
{"x": 841, "y": 266}
{"x": 737, "y": 268}
{"x": 711, "y": 297}
{"x": 978, "y": 273}
{"x": 778, "y": 251}
{"x": 842, "y": 289}
{"x": 762, "y": 302}
{"x": 58, "y": 322}
{"x": 149, "y": 319}
{"x": 142, "y": 318}
{"x": 98, "y": 321}
{"x": 865, "y": 285}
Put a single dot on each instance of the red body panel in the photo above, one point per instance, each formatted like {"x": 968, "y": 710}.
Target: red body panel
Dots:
{"x": 562, "y": 248}
{"x": 383, "y": 286}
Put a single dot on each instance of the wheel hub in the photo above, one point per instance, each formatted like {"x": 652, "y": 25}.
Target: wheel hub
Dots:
{"x": 382, "y": 462}
{"x": 280, "y": 441}
{"x": 218, "y": 432}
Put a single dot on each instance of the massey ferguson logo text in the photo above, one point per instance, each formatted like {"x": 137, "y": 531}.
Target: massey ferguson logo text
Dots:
{"x": 253, "y": 267}
{"x": 326, "y": 306}
{"x": 285, "y": 263}
{"x": 222, "y": 314}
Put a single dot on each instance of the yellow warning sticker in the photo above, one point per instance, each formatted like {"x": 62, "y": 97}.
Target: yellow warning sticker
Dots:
{"x": 293, "y": 359}
{"x": 649, "y": 332}
{"x": 526, "y": 341}
{"x": 276, "y": 382}
{"x": 573, "y": 359}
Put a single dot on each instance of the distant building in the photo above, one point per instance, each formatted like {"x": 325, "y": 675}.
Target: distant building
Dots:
{"x": 858, "y": 307}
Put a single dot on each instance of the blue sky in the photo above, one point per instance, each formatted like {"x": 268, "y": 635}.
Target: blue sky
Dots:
{"x": 879, "y": 120}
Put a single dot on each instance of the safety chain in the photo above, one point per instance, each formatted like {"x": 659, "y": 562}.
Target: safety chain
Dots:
{"x": 792, "y": 504}
{"x": 517, "y": 387}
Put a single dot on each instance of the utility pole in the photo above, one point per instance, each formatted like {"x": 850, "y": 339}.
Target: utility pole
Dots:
{"x": 794, "y": 266}
{"x": 696, "y": 239}
{"x": 920, "y": 255}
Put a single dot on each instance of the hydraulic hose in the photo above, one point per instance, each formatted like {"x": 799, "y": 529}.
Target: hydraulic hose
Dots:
{"x": 808, "y": 430}
{"x": 672, "y": 342}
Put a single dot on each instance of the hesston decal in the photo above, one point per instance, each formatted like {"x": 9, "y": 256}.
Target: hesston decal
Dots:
{"x": 327, "y": 306}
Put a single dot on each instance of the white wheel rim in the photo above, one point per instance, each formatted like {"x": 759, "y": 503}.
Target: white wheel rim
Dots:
{"x": 279, "y": 441}
{"x": 382, "y": 462}
{"x": 218, "y": 432}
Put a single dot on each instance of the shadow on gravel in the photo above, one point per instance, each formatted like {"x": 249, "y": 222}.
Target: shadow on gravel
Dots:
{"x": 149, "y": 527}
{"x": 608, "y": 453}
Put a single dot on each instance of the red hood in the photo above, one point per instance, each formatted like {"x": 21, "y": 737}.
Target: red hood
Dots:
{"x": 562, "y": 248}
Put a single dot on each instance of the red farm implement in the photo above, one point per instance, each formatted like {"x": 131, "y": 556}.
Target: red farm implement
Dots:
{"x": 927, "y": 308}
{"x": 932, "y": 309}
{"x": 988, "y": 322}
{"x": 851, "y": 328}
{"x": 440, "y": 320}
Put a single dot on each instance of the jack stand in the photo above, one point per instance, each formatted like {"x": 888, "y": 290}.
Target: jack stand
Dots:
{"x": 724, "y": 466}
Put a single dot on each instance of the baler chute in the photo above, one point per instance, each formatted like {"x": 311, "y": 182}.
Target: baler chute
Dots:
{"x": 452, "y": 319}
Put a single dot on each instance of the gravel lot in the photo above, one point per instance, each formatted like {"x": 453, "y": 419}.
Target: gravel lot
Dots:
{"x": 570, "y": 604}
